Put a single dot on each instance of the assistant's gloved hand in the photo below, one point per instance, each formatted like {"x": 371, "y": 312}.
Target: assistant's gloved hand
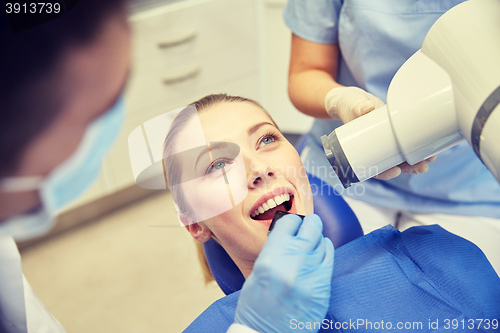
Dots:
{"x": 348, "y": 103}
{"x": 291, "y": 278}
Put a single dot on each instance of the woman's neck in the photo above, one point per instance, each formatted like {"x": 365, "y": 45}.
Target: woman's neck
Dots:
{"x": 245, "y": 266}
{"x": 246, "y": 270}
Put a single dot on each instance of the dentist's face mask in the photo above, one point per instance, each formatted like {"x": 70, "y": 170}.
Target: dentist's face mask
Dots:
{"x": 67, "y": 181}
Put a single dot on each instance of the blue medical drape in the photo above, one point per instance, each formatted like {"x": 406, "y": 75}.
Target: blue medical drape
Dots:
{"x": 424, "y": 276}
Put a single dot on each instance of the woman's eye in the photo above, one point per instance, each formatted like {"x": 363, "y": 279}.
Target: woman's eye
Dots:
{"x": 267, "y": 140}
{"x": 217, "y": 165}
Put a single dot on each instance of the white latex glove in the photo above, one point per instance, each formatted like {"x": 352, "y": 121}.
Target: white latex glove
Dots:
{"x": 291, "y": 278}
{"x": 348, "y": 103}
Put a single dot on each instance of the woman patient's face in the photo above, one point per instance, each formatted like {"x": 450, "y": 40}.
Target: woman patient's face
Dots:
{"x": 266, "y": 173}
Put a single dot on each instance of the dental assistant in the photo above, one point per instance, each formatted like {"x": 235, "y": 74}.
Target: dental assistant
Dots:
{"x": 61, "y": 108}
{"x": 344, "y": 55}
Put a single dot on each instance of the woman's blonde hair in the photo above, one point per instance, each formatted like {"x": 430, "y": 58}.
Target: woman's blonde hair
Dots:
{"x": 172, "y": 171}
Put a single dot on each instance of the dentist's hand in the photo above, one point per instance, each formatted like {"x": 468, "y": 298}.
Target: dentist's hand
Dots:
{"x": 291, "y": 278}
{"x": 348, "y": 103}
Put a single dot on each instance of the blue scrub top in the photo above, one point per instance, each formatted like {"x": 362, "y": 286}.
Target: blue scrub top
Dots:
{"x": 375, "y": 39}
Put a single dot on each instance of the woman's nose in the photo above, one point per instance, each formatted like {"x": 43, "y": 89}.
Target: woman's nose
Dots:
{"x": 260, "y": 173}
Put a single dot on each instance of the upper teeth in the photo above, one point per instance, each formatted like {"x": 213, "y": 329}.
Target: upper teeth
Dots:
{"x": 271, "y": 203}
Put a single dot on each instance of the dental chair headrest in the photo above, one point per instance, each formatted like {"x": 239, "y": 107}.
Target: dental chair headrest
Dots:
{"x": 223, "y": 268}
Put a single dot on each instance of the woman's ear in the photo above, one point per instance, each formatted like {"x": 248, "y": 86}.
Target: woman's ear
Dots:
{"x": 199, "y": 231}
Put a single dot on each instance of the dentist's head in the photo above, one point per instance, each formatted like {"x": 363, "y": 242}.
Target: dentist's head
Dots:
{"x": 60, "y": 110}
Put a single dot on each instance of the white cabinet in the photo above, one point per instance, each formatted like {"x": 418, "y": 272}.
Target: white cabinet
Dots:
{"x": 182, "y": 52}
{"x": 191, "y": 45}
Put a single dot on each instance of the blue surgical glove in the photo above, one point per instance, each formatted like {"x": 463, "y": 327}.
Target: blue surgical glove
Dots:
{"x": 291, "y": 278}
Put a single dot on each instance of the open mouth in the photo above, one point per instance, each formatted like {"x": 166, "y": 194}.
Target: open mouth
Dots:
{"x": 266, "y": 211}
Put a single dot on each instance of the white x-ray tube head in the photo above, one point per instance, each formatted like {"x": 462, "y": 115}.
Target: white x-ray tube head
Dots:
{"x": 446, "y": 92}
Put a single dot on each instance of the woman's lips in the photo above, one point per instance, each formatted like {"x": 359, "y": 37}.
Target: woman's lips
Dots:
{"x": 279, "y": 191}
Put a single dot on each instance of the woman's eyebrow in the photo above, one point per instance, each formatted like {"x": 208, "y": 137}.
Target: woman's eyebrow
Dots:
{"x": 254, "y": 128}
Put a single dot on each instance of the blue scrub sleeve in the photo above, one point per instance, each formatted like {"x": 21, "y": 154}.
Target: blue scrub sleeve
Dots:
{"x": 316, "y": 21}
